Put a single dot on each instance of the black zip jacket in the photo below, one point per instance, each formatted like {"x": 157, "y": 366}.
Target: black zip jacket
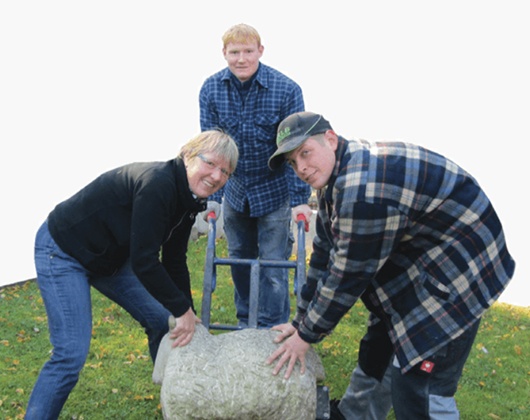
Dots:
{"x": 141, "y": 211}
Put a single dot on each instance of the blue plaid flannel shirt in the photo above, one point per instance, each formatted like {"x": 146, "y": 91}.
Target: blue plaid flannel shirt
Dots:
{"x": 252, "y": 123}
{"x": 412, "y": 235}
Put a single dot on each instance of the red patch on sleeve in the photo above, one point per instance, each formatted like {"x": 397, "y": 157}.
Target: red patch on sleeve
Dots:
{"x": 427, "y": 366}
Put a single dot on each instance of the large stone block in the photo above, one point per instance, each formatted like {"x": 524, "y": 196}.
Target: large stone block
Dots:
{"x": 224, "y": 376}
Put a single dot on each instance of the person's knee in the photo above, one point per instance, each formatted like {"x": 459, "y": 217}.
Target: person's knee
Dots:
{"x": 71, "y": 357}
{"x": 443, "y": 408}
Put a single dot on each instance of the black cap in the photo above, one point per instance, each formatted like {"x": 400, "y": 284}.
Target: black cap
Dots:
{"x": 293, "y": 131}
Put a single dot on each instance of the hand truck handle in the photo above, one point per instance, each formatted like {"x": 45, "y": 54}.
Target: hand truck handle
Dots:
{"x": 302, "y": 218}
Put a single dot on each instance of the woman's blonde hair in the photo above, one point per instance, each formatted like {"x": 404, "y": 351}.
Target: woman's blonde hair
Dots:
{"x": 215, "y": 141}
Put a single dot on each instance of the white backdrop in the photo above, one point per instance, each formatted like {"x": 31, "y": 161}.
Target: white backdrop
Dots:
{"x": 87, "y": 86}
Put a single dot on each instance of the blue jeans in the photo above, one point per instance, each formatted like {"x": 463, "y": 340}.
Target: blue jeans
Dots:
{"x": 268, "y": 237}
{"x": 65, "y": 288}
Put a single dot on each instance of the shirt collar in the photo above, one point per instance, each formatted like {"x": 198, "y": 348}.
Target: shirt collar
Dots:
{"x": 258, "y": 76}
{"x": 342, "y": 147}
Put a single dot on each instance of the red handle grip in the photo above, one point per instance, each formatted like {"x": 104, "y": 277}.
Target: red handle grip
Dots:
{"x": 211, "y": 215}
{"x": 301, "y": 218}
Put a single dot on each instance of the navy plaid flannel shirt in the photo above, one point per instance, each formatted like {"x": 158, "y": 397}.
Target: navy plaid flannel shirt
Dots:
{"x": 252, "y": 123}
{"x": 412, "y": 235}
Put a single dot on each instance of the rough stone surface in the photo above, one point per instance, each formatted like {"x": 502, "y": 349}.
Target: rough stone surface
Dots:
{"x": 224, "y": 376}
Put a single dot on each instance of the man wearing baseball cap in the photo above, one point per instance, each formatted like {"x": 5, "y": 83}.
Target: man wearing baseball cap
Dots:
{"x": 414, "y": 237}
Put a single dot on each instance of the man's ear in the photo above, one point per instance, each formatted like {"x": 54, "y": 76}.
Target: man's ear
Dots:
{"x": 332, "y": 139}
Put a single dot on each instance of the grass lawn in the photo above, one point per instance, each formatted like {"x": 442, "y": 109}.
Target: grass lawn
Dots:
{"x": 116, "y": 380}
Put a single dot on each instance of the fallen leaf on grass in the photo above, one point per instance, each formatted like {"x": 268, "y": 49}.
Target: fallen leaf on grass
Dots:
{"x": 22, "y": 337}
{"x": 144, "y": 397}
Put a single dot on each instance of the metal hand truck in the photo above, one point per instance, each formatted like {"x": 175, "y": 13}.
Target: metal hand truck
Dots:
{"x": 210, "y": 274}
{"x": 210, "y": 282}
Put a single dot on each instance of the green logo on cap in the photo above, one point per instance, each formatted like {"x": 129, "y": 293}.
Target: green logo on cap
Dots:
{"x": 282, "y": 135}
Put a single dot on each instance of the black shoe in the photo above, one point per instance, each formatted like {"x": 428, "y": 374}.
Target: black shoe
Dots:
{"x": 334, "y": 410}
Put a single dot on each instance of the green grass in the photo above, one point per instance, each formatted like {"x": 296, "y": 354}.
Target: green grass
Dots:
{"x": 116, "y": 380}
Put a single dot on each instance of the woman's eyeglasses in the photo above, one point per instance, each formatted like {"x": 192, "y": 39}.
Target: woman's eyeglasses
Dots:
{"x": 212, "y": 166}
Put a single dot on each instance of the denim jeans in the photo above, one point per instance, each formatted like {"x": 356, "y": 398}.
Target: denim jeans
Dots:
{"x": 65, "y": 288}
{"x": 268, "y": 237}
